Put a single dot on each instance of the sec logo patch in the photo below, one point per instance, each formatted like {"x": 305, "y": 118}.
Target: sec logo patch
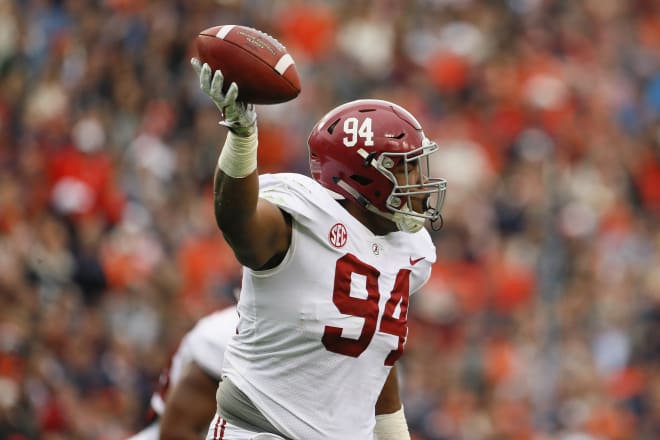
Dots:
{"x": 338, "y": 235}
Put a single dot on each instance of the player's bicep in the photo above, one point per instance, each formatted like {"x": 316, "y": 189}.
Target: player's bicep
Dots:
{"x": 265, "y": 238}
{"x": 190, "y": 405}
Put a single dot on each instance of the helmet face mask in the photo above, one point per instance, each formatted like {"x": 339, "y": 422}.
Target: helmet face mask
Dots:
{"x": 367, "y": 150}
{"x": 430, "y": 189}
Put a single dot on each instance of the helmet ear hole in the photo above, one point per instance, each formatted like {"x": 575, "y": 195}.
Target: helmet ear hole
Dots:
{"x": 332, "y": 126}
{"x": 362, "y": 180}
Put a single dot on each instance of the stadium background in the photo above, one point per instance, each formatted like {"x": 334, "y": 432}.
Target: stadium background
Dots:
{"x": 542, "y": 319}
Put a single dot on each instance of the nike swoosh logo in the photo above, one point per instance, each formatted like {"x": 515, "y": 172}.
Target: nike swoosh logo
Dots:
{"x": 416, "y": 260}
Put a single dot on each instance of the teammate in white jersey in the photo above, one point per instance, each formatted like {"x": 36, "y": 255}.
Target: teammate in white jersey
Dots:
{"x": 184, "y": 403}
{"x": 329, "y": 264}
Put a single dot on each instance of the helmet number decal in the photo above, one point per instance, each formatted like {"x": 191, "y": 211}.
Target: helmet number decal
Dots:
{"x": 355, "y": 130}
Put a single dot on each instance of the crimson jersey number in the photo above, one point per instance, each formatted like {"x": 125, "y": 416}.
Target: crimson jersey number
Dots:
{"x": 367, "y": 308}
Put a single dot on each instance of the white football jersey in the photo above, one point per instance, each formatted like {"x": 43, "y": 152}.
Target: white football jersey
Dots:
{"x": 318, "y": 334}
{"x": 204, "y": 344}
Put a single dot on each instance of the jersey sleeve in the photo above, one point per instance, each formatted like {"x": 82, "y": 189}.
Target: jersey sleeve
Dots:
{"x": 293, "y": 193}
{"x": 208, "y": 340}
{"x": 422, "y": 257}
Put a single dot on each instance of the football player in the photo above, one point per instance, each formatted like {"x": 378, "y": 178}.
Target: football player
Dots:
{"x": 184, "y": 403}
{"x": 329, "y": 265}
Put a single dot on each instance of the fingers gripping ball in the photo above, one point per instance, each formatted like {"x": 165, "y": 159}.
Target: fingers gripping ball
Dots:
{"x": 239, "y": 117}
{"x": 261, "y": 66}
{"x": 238, "y": 157}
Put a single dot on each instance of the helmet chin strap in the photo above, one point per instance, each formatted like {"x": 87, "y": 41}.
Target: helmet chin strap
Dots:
{"x": 404, "y": 222}
{"x": 407, "y": 223}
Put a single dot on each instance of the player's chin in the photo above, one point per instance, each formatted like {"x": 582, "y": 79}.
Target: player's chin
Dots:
{"x": 418, "y": 204}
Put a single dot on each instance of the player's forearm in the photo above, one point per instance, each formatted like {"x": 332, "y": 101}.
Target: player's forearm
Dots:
{"x": 235, "y": 202}
{"x": 236, "y": 185}
{"x": 389, "y": 400}
{"x": 190, "y": 405}
{"x": 392, "y": 426}
{"x": 390, "y": 419}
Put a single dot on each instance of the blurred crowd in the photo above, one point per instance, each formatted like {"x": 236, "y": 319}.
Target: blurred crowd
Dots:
{"x": 542, "y": 317}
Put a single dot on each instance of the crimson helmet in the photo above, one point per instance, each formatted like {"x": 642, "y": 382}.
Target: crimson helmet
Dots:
{"x": 354, "y": 149}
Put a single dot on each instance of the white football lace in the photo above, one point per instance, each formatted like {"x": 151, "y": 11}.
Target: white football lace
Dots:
{"x": 281, "y": 46}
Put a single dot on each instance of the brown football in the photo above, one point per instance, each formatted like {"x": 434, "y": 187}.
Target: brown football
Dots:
{"x": 260, "y": 65}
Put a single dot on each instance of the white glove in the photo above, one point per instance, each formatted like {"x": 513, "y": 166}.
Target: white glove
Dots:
{"x": 239, "y": 117}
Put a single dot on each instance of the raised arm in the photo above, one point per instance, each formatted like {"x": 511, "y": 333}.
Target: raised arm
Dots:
{"x": 257, "y": 230}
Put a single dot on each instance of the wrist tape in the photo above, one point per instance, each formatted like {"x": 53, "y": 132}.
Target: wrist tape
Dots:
{"x": 392, "y": 426}
{"x": 238, "y": 157}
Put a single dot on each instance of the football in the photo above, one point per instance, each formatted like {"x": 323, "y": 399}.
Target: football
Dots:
{"x": 260, "y": 65}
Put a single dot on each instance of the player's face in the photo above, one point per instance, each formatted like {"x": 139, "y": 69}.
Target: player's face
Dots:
{"x": 408, "y": 174}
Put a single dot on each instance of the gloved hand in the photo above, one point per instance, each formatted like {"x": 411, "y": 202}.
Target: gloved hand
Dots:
{"x": 239, "y": 117}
